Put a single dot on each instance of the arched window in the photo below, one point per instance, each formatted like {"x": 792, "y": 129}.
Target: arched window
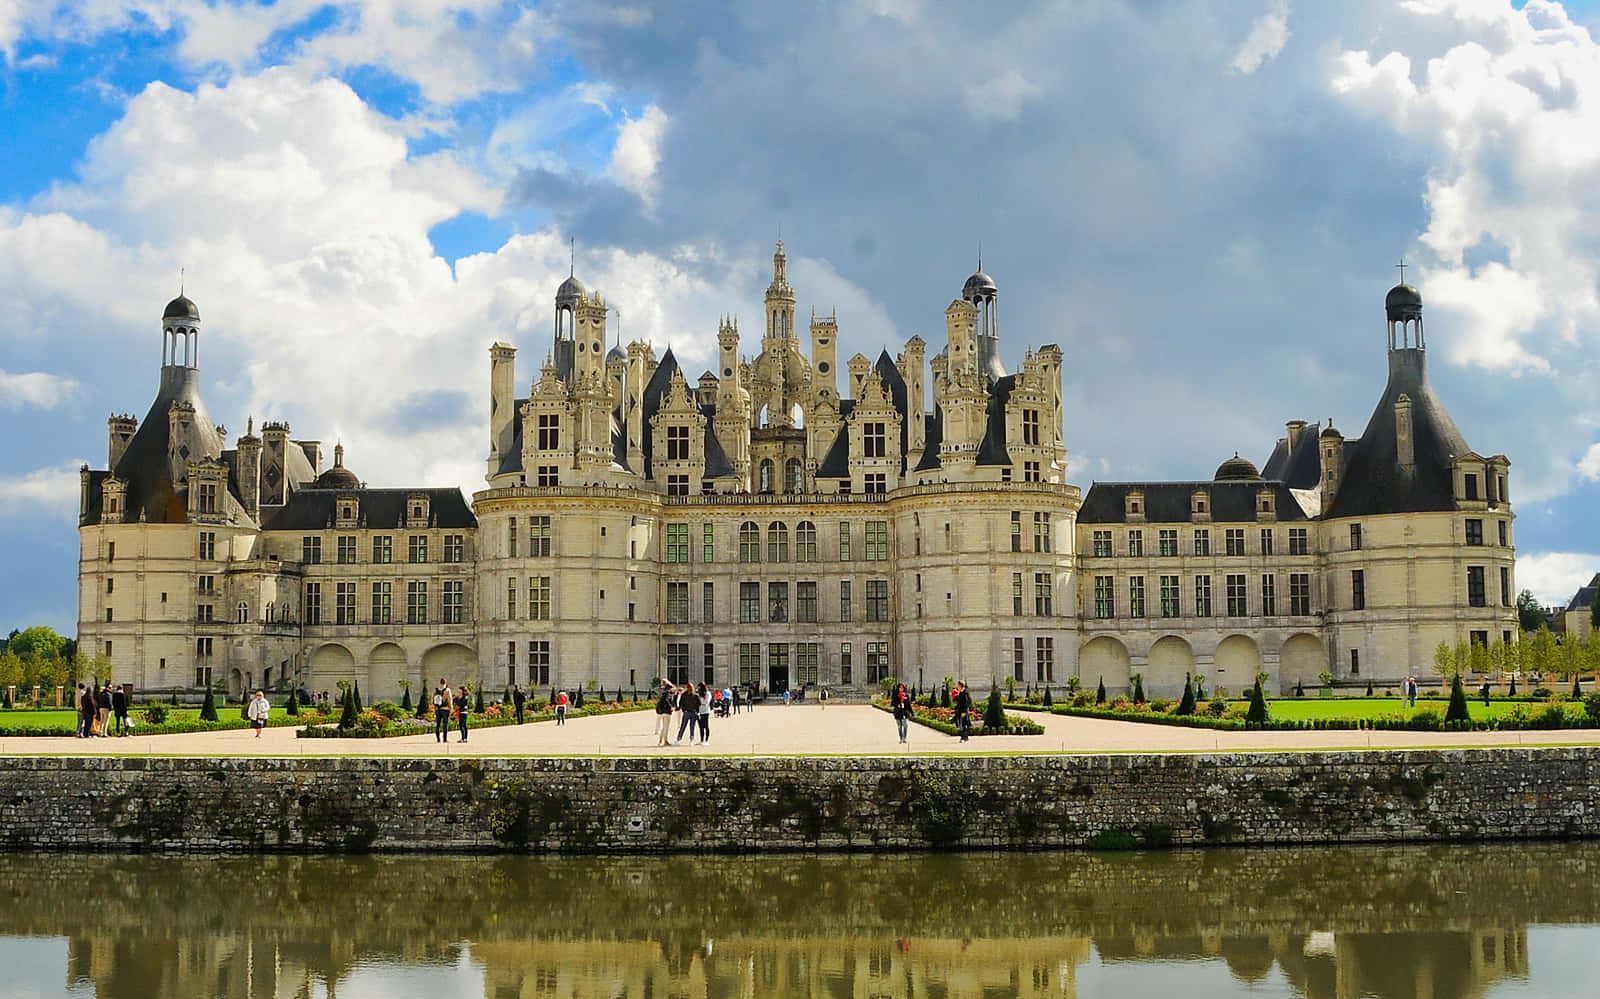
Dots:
{"x": 777, "y": 541}
{"x": 768, "y": 469}
{"x": 749, "y": 542}
{"x": 243, "y": 613}
{"x": 794, "y": 476}
{"x": 270, "y": 609}
{"x": 805, "y": 541}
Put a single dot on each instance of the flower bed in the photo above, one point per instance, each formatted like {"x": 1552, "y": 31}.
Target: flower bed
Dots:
{"x": 1556, "y": 714}
{"x": 944, "y": 720}
{"x": 373, "y": 725}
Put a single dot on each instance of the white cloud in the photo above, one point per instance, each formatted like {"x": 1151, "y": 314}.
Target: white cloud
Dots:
{"x": 34, "y": 388}
{"x": 1555, "y": 576}
{"x": 53, "y": 491}
{"x": 1000, "y": 98}
{"x": 1589, "y": 464}
{"x": 637, "y": 153}
{"x": 1266, "y": 39}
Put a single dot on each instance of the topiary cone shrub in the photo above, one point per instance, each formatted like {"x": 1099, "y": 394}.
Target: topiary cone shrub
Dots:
{"x": 1138, "y": 688}
{"x": 1257, "y": 715}
{"x": 1577, "y": 688}
{"x": 405, "y": 699}
{"x": 477, "y": 702}
{"x": 1369, "y": 688}
{"x": 1457, "y": 711}
{"x": 994, "y": 715}
{"x": 208, "y": 707}
{"x": 347, "y": 718}
{"x": 293, "y": 707}
{"x": 1100, "y": 692}
{"x": 1186, "y": 705}
{"x": 1048, "y": 701}
{"x": 355, "y": 695}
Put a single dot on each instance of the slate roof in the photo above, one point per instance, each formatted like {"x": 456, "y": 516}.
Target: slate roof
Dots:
{"x": 896, "y": 386}
{"x": 1584, "y": 598}
{"x": 511, "y": 461}
{"x": 836, "y": 463}
{"x": 1300, "y": 468}
{"x": 932, "y": 440}
{"x": 1168, "y": 502}
{"x": 381, "y": 509}
{"x": 992, "y": 449}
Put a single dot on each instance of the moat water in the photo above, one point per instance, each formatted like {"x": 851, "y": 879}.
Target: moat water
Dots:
{"x": 1401, "y": 923}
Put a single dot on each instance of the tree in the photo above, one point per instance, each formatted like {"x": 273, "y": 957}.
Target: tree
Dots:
{"x": 1100, "y": 692}
{"x": 994, "y": 715}
{"x": 355, "y": 695}
{"x": 1186, "y": 705}
{"x": 292, "y": 709}
{"x": 1444, "y": 658}
{"x": 1457, "y": 712}
{"x": 1257, "y": 715}
{"x": 405, "y": 696}
{"x": 1539, "y": 652}
{"x": 1529, "y": 614}
{"x": 1138, "y": 688}
{"x": 477, "y": 704}
{"x": 208, "y": 707}
{"x": 347, "y": 717}
{"x": 1594, "y": 616}
{"x": 1199, "y": 686}
{"x": 37, "y": 643}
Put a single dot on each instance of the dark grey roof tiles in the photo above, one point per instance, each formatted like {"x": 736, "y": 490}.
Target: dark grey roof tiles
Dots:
{"x": 381, "y": 509}
{"x": 1169, "y": 502}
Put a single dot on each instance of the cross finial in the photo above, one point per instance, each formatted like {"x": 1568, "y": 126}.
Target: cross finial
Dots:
{"x": 1402, "y": 266}
{"x": 180, "y": 282}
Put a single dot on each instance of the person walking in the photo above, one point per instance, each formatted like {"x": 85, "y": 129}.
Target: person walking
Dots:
{"x": 463, "y": 710}
{"x": 119, "y": 708}
{"x": 1483, "y": 690}
{"x": 85, "y": 712}
{"x": 561, "y": 708}
{"x": 900, "y": 704}
{"x": 257, "y": 712}
{"x": 822, "y": 698}
{"x": 689, "y": 708}
{"x": 962, "y": 702}
{"x": 102, "y": 703}
{"x": 705, "y": 715}
{"x": 441, "y": 712}
{"x": 664, "y": 715}
{"x": 519, "y": 699}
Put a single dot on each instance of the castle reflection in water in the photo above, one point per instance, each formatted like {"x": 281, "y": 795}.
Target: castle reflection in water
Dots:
{"x": 1388, "y": 922}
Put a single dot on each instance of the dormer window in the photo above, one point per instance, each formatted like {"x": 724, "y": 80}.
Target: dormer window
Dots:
{"x": 1133, "y": 505}
{"x": 678, "y": 443}
{"x": 1469, "y": 484}
{"x": 1200, "y": 503}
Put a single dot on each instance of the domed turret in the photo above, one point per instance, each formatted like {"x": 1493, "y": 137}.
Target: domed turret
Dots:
{"x": 1402, "y": 302}
{"x": 979, "y": 287}
{"x": 570, "y": 293}
{"x": 1236, "y": 468}
{"x": 337, "y": 477}
{"x": 181, "y": 308}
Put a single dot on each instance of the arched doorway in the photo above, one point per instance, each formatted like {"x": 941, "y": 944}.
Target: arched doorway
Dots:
{"x": 1104, "y": 660}
{"x": 386, "y": 667}
{"x": 1300, "y": 661}
{"x": 1171, "y": 660}
{"x": 327, "y": 666}
{"x": 1238, "y": 660}
{"x": 454, "y": 662}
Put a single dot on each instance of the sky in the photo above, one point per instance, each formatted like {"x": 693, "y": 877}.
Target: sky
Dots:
{"x": 1202, "y": 203}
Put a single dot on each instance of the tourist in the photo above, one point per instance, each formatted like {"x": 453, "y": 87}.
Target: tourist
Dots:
{"x": 1483, "y": 690}
{"x": 900, "y": 703}
{"x": 463, "y": 710}
{"x": 664, "y": 715}
{"x": 786, "y": 697}
{"x": 102, "y": 705}
{"x": 561, "y": 708}
{"x": 962, "y": 702}
{"x": 1412, "y": 688}
{"x": 441, "y": 712}
{"x": 257, "y": 712}
{"x": 689, "y": 708}
{"x": 519, "y": 698}
{"x": 705, "y": 716}
{"x": 119, "y": 708}
{"x": 85, "y": 712}
{"x": 735, "y": 705}
{"x": 822, "y": 698}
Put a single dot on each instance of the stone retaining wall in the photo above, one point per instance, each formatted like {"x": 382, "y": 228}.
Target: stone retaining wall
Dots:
{"x": 653, "y": 805}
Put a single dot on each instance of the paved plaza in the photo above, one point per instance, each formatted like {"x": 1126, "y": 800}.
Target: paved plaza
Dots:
{"x": 776, "y": 730}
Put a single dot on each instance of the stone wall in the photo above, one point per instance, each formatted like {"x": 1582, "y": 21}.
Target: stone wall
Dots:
{"x": 620, "y": 805}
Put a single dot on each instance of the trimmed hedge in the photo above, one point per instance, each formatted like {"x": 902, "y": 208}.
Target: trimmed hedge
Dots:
{"x": 1013, "y": 726}
{"x": 1554, "y": 716}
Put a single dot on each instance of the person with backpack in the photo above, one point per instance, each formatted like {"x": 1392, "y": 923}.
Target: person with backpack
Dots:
{"x": 689, "y": 708}
{"x": 561, "y": 707}
{"x": 441, "y": 712}
{"x": 664, "y": 715}
{"x": 519, "y": 699}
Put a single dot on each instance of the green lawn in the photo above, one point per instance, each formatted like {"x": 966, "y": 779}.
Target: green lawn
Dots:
{"x": 1315, "y": 708}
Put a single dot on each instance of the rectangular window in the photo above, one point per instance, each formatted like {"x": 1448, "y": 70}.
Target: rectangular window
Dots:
{"x": 1502, "y": 533}
{"x": 1102, "y": 544}
{"x": 1043, "y": 595}
{"x": 708, "y": 602}
{"x": 846, "y": 666}
{"x": 805, "y": 542}
{"x": 708, "y": 660}
{"x": 205, "y": 612}
{"x": 539, "y": 662}
{"x": 312, "y": 603}
{"x": 206, "y": 584}
{"x": 202, "y": 674}
{"x": 1505, "y": 586}
{"x": 511, "y": 538}
{"x": 1297, "y": 541}
{"x": 111, "y": 549}
{"x": 1471, "y": 482}
{"x": 1136, "y": 544}
{"x": 678, "y": 603}
{"x": 1266, "y": 541}
{"x": 1299, "y": 594}
{"x": 454, "y": 547}
{"x": 1234, "y": 539}
{"x": 1269, "y": 595}
{"x": 677, "y": 484}
{"x": 344, "y": 602}
{"x": 678, "y": 663}
{"x": 1019, "y": 658}
{"x": 778, "y": 658}
{"x": 877, "y": 600}
{"x": 845, "y": 610}
{"x": 777, "y": 602}
{"x": 1238, "y": 599}
{"x": 805, "y": 663}
{"x": 382, "y": 603}
{"x": 1030, "y": 471}
{"x": 1202, "y": 541}
{"x": 382, "y": 549}
{"x": 208, "y": 497}
{"x": 539, "y": 592}
{"x": 1358, "y": 589}
{"x": 877, "y": 661}
{"x": 454, "y": 601}
{"x": 1355, "y": 536}
{"x": 749, "y": 542}
{"x": 708, "y": 546}
{"x": 549, "y": 431}
{"x": 678, "y": 543}
{"x": 777, "y": 542}
{"x": 1041, "y": 532}
{"x": 310, "y": 549}
{"x": 749, "y": 603}
{"x": 1202, "y": 596}
{"x": 1016, "y": 530}
{"x": 1030, "y": 427}
{"x": 1168, "y": 540}
{"x": 1355, "y": 662}
{"x": 539, "y": 533}
{"x": 1474, "y": 531}
{"x": 417, "y": 602}
{"x": 678, "y": 443}
{"x": 1044, "y": 655}
{"x": 1169, "y": 596}
{"x": 347, "y": 549}
{"x": 844, "y": 542}
{"x": 873, "y": 440}
{"x": 749, "y": 663}
{"x": 1105, "y": 598}
{"x": 417, "y": 548}
{"x": 805, "y": 602}
{"x": 1475, "y": 590}
{"x": 548, "y": 475}
{"x": 1016, "y": 594}
{"x": 877, "y": 541}
{"x": 511, "y": 598}
{"x": 876, "y": 483}
{"x": 1136, "y": 596}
